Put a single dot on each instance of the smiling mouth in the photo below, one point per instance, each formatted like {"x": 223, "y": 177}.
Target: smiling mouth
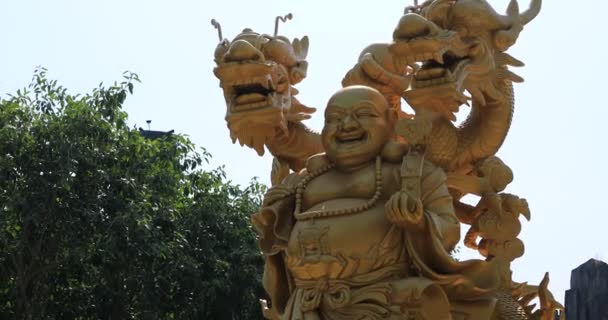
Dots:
{"x": 351, "y": 138}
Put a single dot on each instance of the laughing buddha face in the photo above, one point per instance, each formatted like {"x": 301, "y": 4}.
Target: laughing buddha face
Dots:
{"x": 358, "y": 123}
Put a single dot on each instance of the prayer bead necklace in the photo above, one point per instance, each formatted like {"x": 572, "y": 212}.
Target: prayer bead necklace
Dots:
{"x": 337, "y": 212}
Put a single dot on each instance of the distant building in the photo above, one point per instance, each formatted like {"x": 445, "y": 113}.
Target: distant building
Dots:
{"x": 587, "y": 298}
{"x": 150, "y": 134}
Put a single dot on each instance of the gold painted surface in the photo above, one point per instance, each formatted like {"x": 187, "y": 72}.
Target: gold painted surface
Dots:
{"x": 361, "y": 218}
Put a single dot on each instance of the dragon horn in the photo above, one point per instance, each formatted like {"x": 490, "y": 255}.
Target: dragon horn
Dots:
{"x": 532, "y": 12}
{"x": 218, "y": 27}
{"x": 513, "y": 14}
{"x": 513, "y": 9}
{"x": 506, "y": 38}
{"x": 284, "y": 18}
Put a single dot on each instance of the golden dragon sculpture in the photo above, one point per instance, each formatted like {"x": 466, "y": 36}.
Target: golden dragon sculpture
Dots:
{"x": 257, "y": 73}
{"x": 441, "y": 50}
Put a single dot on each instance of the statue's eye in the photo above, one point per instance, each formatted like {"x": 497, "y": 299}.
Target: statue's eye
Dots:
{"x": 366, "y": 113}
{"x": 333, "y": 117}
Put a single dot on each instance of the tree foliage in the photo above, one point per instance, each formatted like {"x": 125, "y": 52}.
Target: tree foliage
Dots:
{"x": 98, "y": 222}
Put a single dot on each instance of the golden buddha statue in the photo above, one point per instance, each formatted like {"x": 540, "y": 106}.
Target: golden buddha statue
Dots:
{"x": 366, "y": 228}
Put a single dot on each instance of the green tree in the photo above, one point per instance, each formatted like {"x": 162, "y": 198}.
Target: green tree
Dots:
{"x": 98, "y": 222}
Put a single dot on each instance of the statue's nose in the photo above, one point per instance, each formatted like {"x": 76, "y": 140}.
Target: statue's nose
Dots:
{"x": 412, "y": 26}
{"x": 242, "y": 50}
{"x": 349, "y": 123}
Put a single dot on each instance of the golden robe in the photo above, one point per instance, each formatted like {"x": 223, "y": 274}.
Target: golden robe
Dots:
{"x": 405, "y": 271}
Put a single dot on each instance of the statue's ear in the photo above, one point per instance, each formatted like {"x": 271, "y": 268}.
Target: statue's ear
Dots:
{"x": 300, "y": 47}
{"x": 298, "y": 72}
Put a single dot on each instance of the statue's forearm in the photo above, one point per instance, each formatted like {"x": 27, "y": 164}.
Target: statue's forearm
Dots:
{"x": 439, "y": 207}
{"x": 447, "y": 228}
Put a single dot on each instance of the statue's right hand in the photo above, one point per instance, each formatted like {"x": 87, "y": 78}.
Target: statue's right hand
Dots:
{"x": 405, "y": 211}
{"x": 277, "y": 193}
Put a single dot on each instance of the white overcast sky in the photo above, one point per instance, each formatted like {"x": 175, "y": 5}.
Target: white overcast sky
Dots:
{"x": 556, "y": 146}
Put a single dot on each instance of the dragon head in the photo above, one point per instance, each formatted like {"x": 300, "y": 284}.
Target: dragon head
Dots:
{"x": 458, "y": 45}
{"x": 257, "y": 73}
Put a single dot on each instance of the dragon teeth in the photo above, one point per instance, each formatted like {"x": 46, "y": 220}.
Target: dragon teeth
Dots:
{"x": 430, "y": 74}
{"x": 268, "y": 81}
{"x": 449, "y": 75}
{"x": 439, "y": 58}
{"x": 265, "y": 81}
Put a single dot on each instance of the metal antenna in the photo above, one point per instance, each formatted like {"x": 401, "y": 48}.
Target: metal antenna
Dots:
{"x": 284, "y": 18}
{"x": 218, "y": 27}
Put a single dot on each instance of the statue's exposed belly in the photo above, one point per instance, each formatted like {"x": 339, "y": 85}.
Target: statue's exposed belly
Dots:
{"x": 343, "y": 246}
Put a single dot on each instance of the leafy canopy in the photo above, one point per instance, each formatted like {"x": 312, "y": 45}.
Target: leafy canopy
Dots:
{"x": 98, "y": 222}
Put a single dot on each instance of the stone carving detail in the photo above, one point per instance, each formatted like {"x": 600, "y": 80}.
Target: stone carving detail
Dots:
{"x": 361, "y": 217}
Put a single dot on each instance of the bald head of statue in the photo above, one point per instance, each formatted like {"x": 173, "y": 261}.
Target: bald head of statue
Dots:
{"x": 358, "y": 123}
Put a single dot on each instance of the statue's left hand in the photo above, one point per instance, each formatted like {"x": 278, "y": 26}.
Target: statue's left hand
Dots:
{"x": 405, "y": 211}
{"x": 277, "y": 193}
